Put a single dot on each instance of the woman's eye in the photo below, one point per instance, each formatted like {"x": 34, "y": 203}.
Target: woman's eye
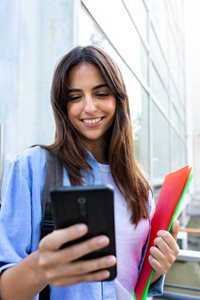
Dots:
{"x": 102, "y": 95}
{"x": 74, "y": 98}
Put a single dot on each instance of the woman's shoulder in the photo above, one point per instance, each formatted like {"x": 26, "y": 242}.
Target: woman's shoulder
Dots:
{"x": 30, "y": 154}
{"x": 25, "y": 169}
{"x": 30, "y": 159}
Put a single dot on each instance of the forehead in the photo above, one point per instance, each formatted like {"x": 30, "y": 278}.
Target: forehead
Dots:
{"x": 85, "y": 72}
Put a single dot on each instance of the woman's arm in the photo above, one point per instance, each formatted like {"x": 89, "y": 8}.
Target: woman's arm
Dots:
{"x": 164, "y": 252}
{"x": 55, "y": 266}
{"x": 22, "y": 281}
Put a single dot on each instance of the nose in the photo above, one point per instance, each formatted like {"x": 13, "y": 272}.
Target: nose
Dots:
{"x": 90, "y": 104}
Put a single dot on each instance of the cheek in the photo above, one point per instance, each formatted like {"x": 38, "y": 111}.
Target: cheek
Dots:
{"x": 110, "y": 106}
{"x": 73, "y": 110}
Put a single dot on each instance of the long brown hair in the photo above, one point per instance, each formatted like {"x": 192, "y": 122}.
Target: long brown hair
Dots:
{"x": 120, "y": 149}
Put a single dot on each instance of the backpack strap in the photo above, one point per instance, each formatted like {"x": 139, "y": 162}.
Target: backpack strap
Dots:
{"x": 53, "y": 178}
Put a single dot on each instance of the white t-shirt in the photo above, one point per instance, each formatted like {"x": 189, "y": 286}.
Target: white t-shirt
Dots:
{"x": 129, "y": 239}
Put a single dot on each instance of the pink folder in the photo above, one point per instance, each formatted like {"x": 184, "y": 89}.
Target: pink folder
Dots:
{"x": 167, "y": 207}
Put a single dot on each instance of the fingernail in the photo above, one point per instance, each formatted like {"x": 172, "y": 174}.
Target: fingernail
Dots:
{"x": 160, "y": 233}
{"x": 150, "y": 258}
{"x": 103, "y": 241}
{"x": 81, "y": 227}
{"x": 106, "y": 274}
{"x": 110, "y": 260}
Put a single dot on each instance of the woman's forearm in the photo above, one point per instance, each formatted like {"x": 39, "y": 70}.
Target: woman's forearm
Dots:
{"x": 22, "y": 281}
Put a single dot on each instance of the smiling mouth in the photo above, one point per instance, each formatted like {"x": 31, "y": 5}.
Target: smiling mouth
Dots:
{"x": 93, "y": 121}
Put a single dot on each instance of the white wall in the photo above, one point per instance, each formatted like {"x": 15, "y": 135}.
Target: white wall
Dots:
{"x": 34, "y": 34}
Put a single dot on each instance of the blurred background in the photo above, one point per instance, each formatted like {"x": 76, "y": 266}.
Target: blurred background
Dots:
{"x": 155, "y": 43}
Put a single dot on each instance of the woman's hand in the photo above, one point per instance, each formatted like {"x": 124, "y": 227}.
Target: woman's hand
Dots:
{"x": 165, "y": 250}
{"x": 60, "y": 266}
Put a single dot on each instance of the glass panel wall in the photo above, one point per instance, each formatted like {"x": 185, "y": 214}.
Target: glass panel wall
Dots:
{"x": 142, "y": 133}
{"x": 91, "y": 33}
{"x": 139, "y": 15}
{"x": 146, "y": 40}
{"x": 161, "y": 144}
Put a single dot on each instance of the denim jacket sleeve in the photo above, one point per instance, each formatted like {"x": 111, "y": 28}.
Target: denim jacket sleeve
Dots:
{"x": 157, "y": 287}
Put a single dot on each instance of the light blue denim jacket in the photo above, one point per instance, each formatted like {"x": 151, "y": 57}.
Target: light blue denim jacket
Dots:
{"x": 21, "y": 216}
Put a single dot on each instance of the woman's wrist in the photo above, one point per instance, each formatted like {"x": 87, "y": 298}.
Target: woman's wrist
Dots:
{"x": 36, "y": 272}
{"x": 32, "y": 279}
{"x": 155, "y": 276}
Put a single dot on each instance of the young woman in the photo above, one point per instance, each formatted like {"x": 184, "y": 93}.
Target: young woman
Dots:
{"x": 93, "y": 141}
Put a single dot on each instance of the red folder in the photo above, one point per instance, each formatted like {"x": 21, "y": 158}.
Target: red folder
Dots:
{"x": 167, "y": 207}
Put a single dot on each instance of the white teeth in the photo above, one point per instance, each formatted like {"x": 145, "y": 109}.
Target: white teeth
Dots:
{"x": 92, "y": 121}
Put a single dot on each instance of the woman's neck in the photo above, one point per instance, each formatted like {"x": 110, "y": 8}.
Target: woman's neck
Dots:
{"x": 98, "y": 151}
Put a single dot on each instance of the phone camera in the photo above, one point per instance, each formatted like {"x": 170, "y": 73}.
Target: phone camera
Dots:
{"x": 82, "y": 206}
{"x": 81, "y": 200}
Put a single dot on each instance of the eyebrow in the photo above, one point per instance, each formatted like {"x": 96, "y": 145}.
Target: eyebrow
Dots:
{"x": 96, "y": 87}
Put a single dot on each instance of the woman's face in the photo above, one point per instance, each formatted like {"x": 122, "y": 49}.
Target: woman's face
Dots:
{"x": 91, "y": 105}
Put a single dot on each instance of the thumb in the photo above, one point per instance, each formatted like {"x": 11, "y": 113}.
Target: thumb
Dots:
{"x": 175, "y": 229}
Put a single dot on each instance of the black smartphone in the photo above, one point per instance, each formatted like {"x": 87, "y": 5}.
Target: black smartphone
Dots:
{"x": 92, "y": 205}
